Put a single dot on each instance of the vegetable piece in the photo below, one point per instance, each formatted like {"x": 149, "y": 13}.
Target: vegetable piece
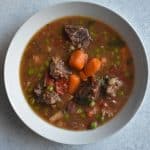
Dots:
{"x": 50, "y": 88}
{"x": 92, "y": 104}
{"x": 78, "y": 59}
{"x": 58, "y": 115}
{"x": 93, "y": 125}
{"x": 74, "y": 82}
{"x": 92, "y": 67}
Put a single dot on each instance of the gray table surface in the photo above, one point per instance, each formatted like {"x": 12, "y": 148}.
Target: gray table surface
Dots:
{"x": 14, "y": 135}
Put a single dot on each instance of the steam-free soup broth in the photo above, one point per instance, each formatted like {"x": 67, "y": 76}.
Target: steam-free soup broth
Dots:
{"x": 77, "y": 73}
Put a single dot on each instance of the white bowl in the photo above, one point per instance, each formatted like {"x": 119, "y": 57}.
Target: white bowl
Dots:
{"x": 21, "y": 39}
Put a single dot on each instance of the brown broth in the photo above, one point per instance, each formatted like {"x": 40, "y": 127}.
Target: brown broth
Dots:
{"x": 49, "y": 41}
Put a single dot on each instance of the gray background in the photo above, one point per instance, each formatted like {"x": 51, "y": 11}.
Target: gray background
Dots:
{"x": 14, "y": 135}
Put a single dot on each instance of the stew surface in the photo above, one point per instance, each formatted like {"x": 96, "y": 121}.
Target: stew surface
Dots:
{"x": 77, "y": 73}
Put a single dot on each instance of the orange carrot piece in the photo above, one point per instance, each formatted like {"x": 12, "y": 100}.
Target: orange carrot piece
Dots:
{"x": 78, "y": 59}
{"x": 92, "y": 67}
{"x": 74, "y": 82}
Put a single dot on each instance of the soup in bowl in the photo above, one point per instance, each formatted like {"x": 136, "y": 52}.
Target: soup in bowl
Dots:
{"x": 76, "y": 73}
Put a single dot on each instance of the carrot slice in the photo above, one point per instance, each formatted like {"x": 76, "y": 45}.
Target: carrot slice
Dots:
{"x": 74, "y": 82}
{"x": 92, "y": 67}
{"x": 78, "y": 59}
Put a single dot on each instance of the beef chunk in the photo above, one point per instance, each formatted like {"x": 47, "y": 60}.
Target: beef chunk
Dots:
{"x": 51, "y": 98}
{"x": 110, "y": 86}
{"x": 88, "y": 91}
{"x": 78, "y": 35}
{"x": 57, "y": 68}
{"x": 42, "y": 95}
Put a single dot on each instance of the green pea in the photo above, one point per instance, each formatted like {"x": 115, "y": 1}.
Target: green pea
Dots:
{"x": 116, "y": 50}
{"x": 120, "y": 93}
{"x": 66, "y": 116}
{"x": 100, "y": 118}
{"x": 94, "y": 125}
{"x": 30, "y": 71}
{"x": 50, "y": 88}
{"x": 79, "y": 110}
{"x": 32, "y": 101}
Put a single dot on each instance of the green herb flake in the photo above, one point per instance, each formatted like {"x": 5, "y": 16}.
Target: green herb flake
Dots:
{"x": 94, "y": 125}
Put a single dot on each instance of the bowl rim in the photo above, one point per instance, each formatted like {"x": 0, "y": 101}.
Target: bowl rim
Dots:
{"x": 83, "y": 2}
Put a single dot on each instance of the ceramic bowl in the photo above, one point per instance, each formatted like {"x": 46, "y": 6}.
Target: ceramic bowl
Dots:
{"x": 21, "y": 39}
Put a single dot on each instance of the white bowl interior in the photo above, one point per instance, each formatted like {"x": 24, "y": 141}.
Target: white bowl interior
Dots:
{"x": 12, "y": 63}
